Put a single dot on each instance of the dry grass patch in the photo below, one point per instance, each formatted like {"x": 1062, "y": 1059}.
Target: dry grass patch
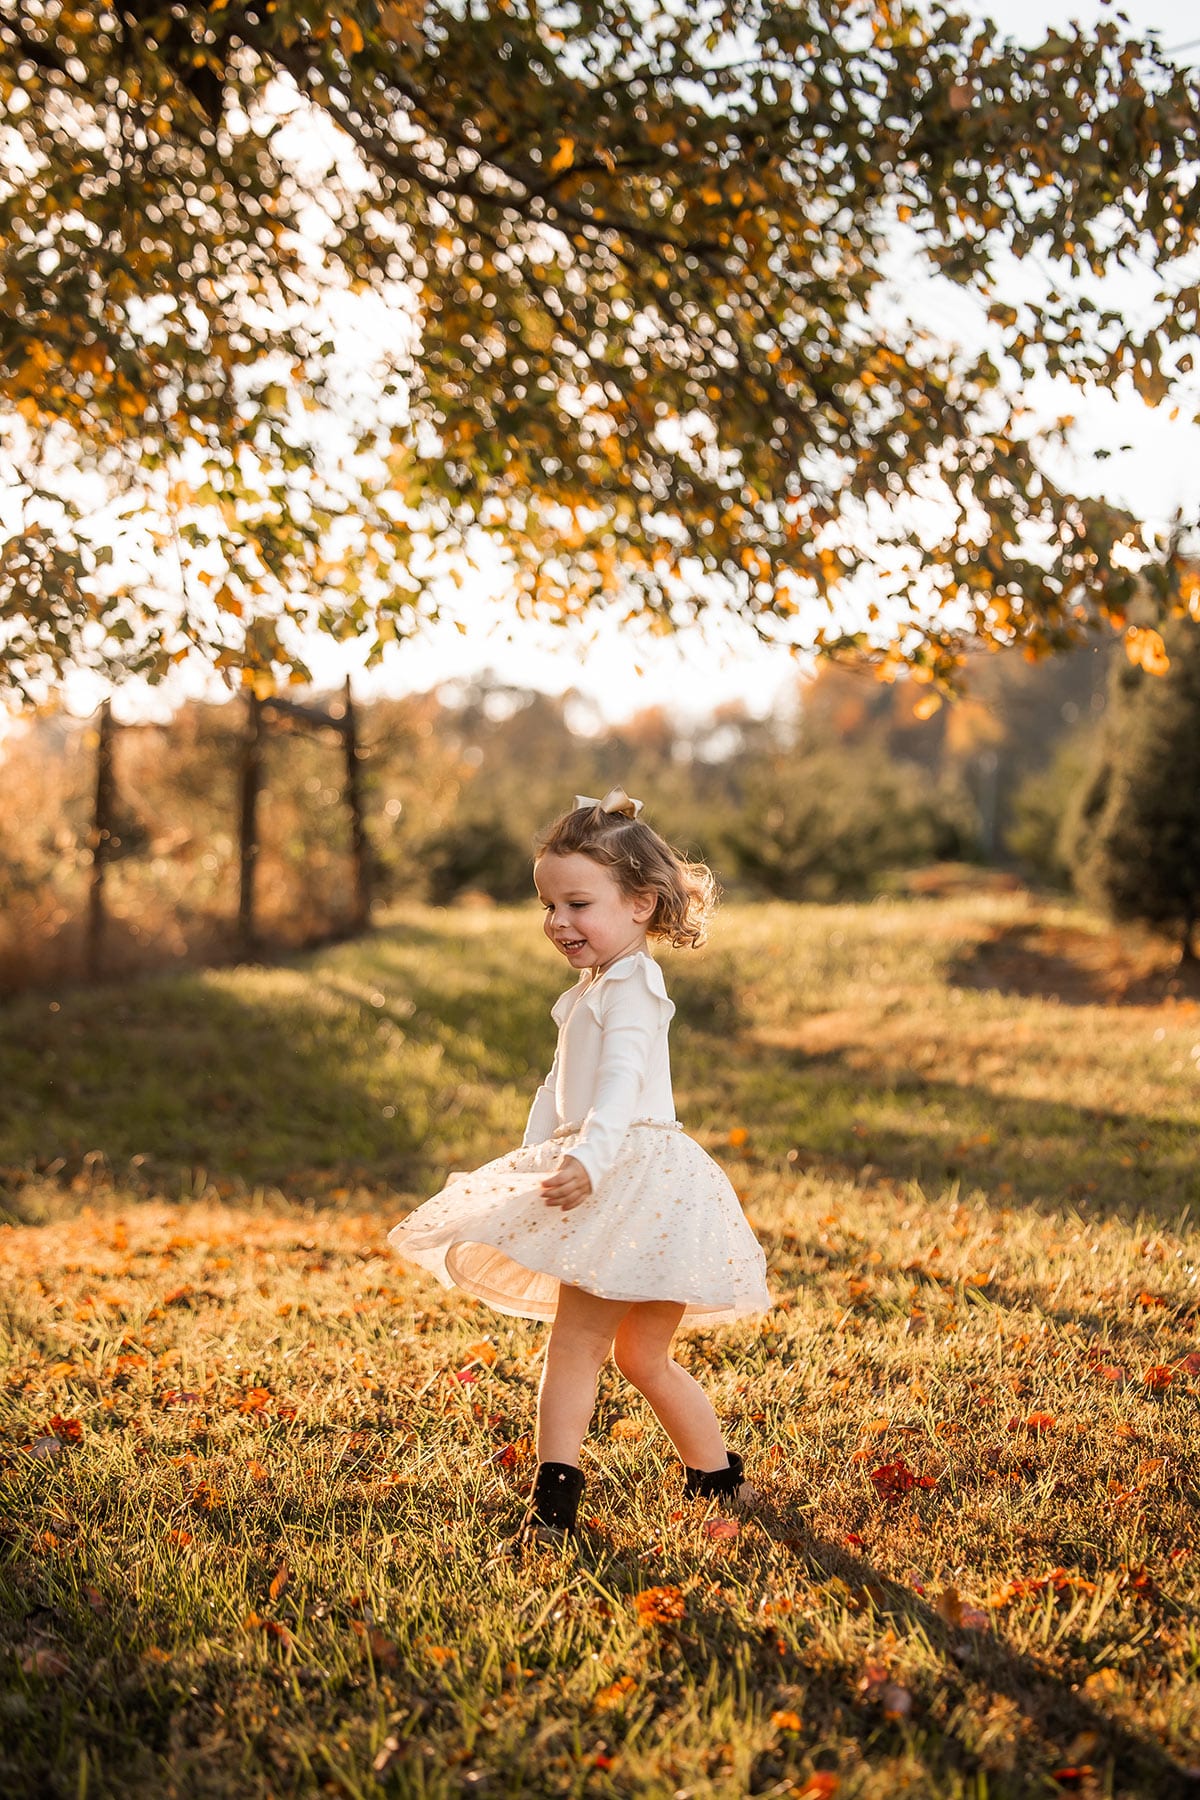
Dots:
{"x": 252, "y": 1470}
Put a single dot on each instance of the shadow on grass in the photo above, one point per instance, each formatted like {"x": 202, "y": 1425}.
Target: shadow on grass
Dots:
{"x": 377, "y": 1064}
{"x": 1074, "y": 966}
{"x": 352, "y": 1067}
{"x": 1055, "y": 1711}
{"x": 849, "y": 1120}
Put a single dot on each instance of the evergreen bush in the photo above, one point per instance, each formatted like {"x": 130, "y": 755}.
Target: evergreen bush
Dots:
{"x": 1135, "y": 837}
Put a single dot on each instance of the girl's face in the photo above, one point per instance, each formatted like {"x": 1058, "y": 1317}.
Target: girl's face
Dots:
{"x": 588, "y": 917}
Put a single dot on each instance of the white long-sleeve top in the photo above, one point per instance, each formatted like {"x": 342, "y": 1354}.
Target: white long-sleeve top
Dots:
{"x": 611, "y": 1065}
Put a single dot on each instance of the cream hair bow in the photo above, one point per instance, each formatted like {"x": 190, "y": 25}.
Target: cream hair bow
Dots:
{"x": 615, "y": 801}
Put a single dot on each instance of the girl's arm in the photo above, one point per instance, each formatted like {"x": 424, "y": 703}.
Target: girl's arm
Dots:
{"x": 632, "y": 1009}
{"x": 543, "y": 1114}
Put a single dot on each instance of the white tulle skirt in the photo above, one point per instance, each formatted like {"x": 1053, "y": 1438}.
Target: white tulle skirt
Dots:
{"x": 663, "y": 1224}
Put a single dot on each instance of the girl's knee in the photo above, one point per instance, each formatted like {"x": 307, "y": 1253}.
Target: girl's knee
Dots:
{"x": 645, "y": 1365}
{"x": 578, "y": 1344}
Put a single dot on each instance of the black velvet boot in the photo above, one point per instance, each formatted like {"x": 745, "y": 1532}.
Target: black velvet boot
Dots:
{"x": 720, "y": 1484}
{"x": 553, "y": 1506}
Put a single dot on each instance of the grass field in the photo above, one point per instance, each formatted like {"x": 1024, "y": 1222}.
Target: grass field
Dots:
{"x": 252, "y": 1468}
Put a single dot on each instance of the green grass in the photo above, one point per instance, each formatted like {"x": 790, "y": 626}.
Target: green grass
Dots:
{"x": 255, "y": 1564}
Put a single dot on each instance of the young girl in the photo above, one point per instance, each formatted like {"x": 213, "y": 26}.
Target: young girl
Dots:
{"x": 608, "y": 1220}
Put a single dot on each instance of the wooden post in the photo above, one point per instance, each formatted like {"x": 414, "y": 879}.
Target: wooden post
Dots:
{"x": 251, "y": 782}
{"x": 100, "y": 840}
{"x": 359, "y": 842}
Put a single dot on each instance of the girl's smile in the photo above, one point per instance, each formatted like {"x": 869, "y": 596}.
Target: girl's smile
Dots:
{"x": 589, "y": 918}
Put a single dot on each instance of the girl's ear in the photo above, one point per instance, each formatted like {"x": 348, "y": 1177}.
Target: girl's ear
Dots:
{"x": 644, "y": 906}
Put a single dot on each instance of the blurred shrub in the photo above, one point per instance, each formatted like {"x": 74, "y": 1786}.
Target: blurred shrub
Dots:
{"x": 1134, "y": 838}
{"x": 1045, "y": 803}
{"x": 826, "y": 823}
{"x": 476, "y": 856}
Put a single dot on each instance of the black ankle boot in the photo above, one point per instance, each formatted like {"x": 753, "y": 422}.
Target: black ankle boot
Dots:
{"x": 556, "y": 1495}
{"x": 713, "y": 1484}
{"x": 553, "y": 1506}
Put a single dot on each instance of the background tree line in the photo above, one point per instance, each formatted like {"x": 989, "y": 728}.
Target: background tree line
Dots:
{"x": 827, "y": 798}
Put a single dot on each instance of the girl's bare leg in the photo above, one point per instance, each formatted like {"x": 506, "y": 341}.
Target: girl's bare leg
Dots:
{"x": 642, "y": 1353}
{"x": 580, "y": 1340}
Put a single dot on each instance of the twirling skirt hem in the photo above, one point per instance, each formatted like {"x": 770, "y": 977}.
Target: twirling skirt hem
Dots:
{"x": 469, "y": 1236}
{"x": 452, "y": 1269}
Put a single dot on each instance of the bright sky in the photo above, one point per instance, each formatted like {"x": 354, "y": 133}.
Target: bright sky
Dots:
{"x": 624, "y": 670}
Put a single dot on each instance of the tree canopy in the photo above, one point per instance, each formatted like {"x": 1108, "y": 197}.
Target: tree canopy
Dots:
{"x": 299, "y": 299}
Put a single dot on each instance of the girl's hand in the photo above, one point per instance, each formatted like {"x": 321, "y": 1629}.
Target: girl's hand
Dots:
{"x": 569, "y": 1184}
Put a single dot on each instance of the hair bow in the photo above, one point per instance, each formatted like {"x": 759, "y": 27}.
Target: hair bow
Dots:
{"x": 615, "y": 801}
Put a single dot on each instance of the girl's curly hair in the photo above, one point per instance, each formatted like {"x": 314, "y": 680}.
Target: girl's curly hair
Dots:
{"x": 641, "y": 862}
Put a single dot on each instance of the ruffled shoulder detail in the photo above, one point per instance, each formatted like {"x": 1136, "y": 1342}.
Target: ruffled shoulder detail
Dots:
{"x": 638, "y": 968}
{"x": 565, "y": 1004}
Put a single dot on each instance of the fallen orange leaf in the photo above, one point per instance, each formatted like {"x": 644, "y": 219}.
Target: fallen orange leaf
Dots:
{"x": 659, "y": 1605}
{"x": 44, "y": 1662}
{"x": 948, "y": 1606}
{"x": 381, "y": 1647}
{"x": 614, "y": 1693}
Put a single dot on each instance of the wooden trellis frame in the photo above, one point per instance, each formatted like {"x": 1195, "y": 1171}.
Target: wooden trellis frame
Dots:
{"x": 290, "y": 715}
{"x": 271, "y": 713}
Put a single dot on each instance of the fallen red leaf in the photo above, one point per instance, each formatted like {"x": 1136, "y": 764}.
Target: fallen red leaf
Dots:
{"x": 895, "y": 1479}
{"x": 68, "y": 1431}
{"x": 1037, "y": 1424}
